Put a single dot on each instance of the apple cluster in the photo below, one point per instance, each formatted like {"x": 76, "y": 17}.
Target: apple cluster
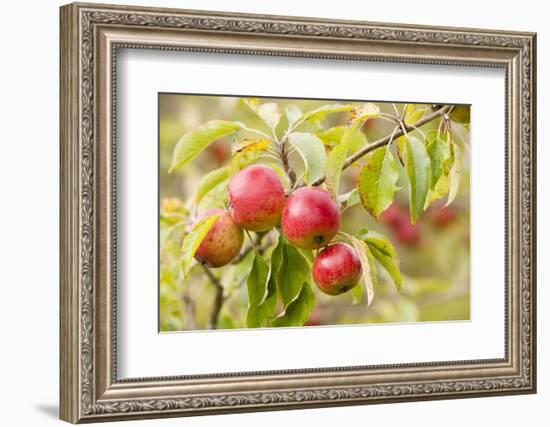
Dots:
{"x": 309, "y": 219}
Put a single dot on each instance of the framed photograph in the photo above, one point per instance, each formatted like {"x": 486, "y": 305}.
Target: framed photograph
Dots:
{"x": 266, "y": 212}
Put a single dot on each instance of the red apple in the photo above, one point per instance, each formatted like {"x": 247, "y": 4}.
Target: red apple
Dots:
{"x": 223, "y": 241}
{"x": 408, "y": 234}
{"x": 257, "y": 198}
{"x": 310, "y": 218}
{"x": 393, "y": 215}
{"x": 443, "y": 217}
{"x": 337, "y": 269}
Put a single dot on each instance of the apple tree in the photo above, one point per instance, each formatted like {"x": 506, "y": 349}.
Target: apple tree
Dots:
{"x": 279, "y": 206}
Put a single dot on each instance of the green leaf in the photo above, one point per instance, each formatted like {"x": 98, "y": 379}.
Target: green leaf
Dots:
{"x": 357, "y": 293}
{"x": 209, "y": 181}
{"x": 382, "y": 249}
{"x": 440, "y": 189}
{"x": 258, "y": 279}
{"x": 454, "y": 176}
{"x": 333, "y": 136}
{"x": 417, "y": 164}
{"x": 321, "y": 112}
{"x": 313, "y": 153}
{"x": 381, "y": 242}
{"x": 377, "y": 181}
{"x": 193, "y": 240}
{"x": 349, "y": 199}
{"x": 440, "y": 156}
{"x": 367, "y": 263}
{"x": 298, "y": 310}
{"x": 337, "y": 158}
{"x": 413, "y": 113}
{"x": 262, "y": 287}
{"x": 293, "y": 273}
{"x": 389, "y": 263}
{"x": 261, "y": 294}
{"x": 400, "y": 144}
{"x": 293, "y": 113}
{"x": 364, "y": 112}
{"x": 268, "y": 112}
{"x": 308, "y": 255}
{"x": 192, "y": 143}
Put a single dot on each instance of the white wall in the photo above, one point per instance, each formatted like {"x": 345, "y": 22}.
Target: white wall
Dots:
{"x": 29, "y": 169}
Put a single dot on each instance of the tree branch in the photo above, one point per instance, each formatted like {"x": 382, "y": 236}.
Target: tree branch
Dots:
{"x": 218, "y": 298}
{"x": 286, "y": 165}
{"x": 256, "y": 244}
{"x": 383, "y": 141}
{"x": 190, "y": 309}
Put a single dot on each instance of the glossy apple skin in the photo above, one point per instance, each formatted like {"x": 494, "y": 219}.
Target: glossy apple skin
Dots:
{"x": 222, "y": 243}
{"x": 257, "y": 198}
{"x": 310, "y": 218}
{"x": 337, "y": 269}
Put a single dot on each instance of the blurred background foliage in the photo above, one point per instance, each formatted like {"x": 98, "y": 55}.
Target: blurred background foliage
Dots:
{"x": 434, "y": 253}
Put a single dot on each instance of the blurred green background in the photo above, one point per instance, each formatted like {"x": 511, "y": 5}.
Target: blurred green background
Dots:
{"x": 434, "y": 253}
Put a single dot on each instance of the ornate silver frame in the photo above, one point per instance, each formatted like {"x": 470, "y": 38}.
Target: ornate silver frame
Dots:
{"x": 90, "y": 36}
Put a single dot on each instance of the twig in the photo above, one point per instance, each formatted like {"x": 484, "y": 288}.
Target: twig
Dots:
{"x": 256, "y": 244}
{"x": 383, "y": 141}
{"x": 218, "y": 298}
{"x": 190, "y": 309}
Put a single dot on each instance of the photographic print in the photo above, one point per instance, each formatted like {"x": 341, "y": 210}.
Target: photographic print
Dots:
{"x": 307, "y": 212}
{"x": 333, "y": 205}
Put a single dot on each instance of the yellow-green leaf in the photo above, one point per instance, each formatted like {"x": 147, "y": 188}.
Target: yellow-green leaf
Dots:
{"x": 321, "y": 112}
{"x": 377, "y": 181}
{"x": 193, "y": 240}
{"x": 192, "y": 143}
{"x": 378, "y": 240}
{"x": 357, "y": 293}
{"x": 417, "y": 164}
{"x": 209, "y": 181}
{"x": 268, "y": 112}
{"x": 389, "y": 263}
{"x": 440, "y": 156}
{"x": 364, "y": 112}
{"x": 349, "y": 199}
{"x": 334, "y": 136}
{"x": 367, "y": 263}
{"x": 413, "y": 113}
{"x": 382, "y": 249}
{"x": 313, "y": 153}
{"x": 293, "y": 113}
{"x": 454, "y": 175}
{"x": 337, "y": 158}
{"x": 246, "y": 146}
{"x": 440, "y": 189}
